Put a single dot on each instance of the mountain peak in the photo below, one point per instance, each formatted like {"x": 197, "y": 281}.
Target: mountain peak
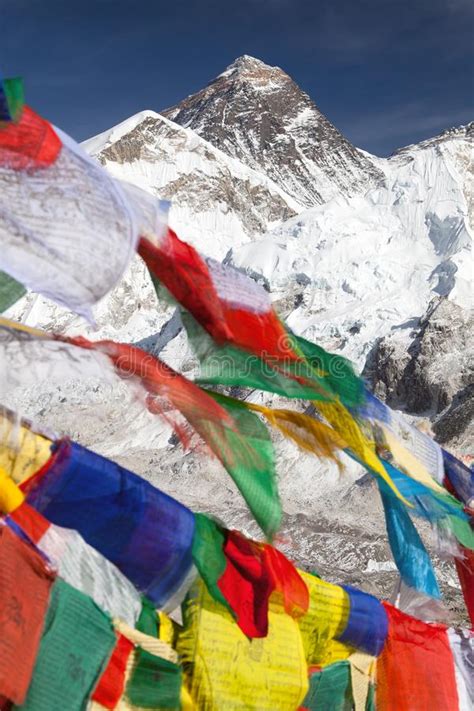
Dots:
{"x": 250, "y": 69}
{"x": 258, "y": 114}
{"x": 245, "y": 64}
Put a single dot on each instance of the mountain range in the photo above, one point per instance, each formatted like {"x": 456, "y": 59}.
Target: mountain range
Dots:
{"x": 368, "y": 256}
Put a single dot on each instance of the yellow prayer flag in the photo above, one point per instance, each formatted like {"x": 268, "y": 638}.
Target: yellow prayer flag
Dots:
{"x": 22, "y": 452}
{"x": 226, "y": 670}
{"x": 407, "y": 462}
{"x": 307, "y": 432}
{"x": 347, "y": 427}
{"x": 325, "y": 620}
{"x": 11, "y": 497}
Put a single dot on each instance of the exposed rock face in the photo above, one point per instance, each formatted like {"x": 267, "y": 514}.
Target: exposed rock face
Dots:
{"x": 210, "y": 192}
{"x": 434, "y": 374}
{"x": 257, "y": 113}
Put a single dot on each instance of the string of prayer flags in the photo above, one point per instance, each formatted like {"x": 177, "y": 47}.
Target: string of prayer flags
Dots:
{"x": 78, "y": 640}
{"x": 80, "y": 565}
{"x": 340, "y": 373}
{"x": 11, "y": 98}
{"x": 239, "y": 440}
{"x": 237, "y": 437}
{"x": 61, "y": 214}
{"x": 342, "y": 626}
{"x": 25, "y": 584}
{"x": 144, "y": 532}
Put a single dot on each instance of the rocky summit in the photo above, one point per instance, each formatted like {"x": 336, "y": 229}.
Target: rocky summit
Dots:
{"x": 258, "y": 114}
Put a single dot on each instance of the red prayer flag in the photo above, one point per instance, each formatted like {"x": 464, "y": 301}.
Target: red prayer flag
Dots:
{"x": 31, "y": 143}
{"x": 31, "y": 521}
{"x": 111, "y": 684}
{"x": 184, "y": 273}
{"x": 25, "y": 585}
{"x": 415, "y": 671}
{"x": 229, "y": 306}
{"x": 465, "y": 569}
{"x": 288, "y": 581}
{"x": 247, "y": 584}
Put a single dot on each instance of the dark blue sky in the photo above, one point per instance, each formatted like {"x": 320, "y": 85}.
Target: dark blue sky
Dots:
{"x": 385, "y": 72}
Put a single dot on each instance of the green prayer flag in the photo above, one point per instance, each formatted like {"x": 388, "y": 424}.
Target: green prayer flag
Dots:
{"x": 330, "y": 689}
{"x": 148, "y": 621}
{"x": 155, "y": 683}
{"x": 254, "y": 469}
{"x": 15, "y": 95}
{"x": 232, "y": 366}
{"x": 77, "y": 642}
{"x": 10, "y": 291}
{"x": 208, "y": 554}
{"x": 337, "y": 372}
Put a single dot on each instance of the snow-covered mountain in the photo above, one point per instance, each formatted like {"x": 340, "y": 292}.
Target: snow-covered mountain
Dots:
{"x": 383, "y": 242}
{"x": 211, "y": 193}
{"x": 356, "y": 269}
{"x": 257, "y": 113}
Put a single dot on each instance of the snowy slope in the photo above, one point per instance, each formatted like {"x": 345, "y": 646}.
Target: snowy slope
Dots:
{"x": 356, "y": 269}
